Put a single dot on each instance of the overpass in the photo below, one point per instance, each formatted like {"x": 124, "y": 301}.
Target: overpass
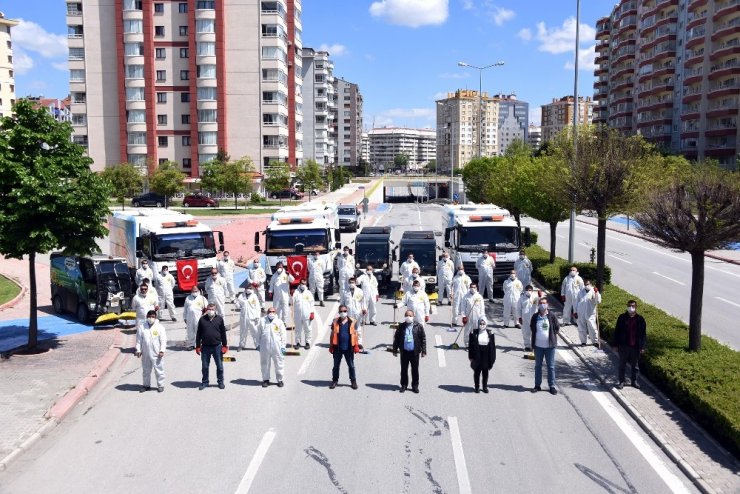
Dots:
{"x": 421, "y": 189}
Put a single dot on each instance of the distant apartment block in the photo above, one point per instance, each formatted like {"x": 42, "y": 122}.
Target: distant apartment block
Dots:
{"x": 670, "y": 70}
{"x": 534, "y": 136}
{"x": 513, "y": 120}
{"x": 558, "y": 115}
{"x": 57, "y": 108}
{"x": 349, "y": 122}
{"x": 319, "y": 122}
{"x": 388, "y": 142}
{"x": 7, "y": 75}
{"x": 180, "y": 80}
{"x": 365, "y": 147}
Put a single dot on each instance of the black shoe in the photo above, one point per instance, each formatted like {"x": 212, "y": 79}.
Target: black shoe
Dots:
{"x": 635, "y": 384}
{"x": 160, "y": 389}
{"x": 144, "y": 388}
{"x": 477, "y": 390}
{"x": 553, "y": 391}
{"x": 620, "y": 385}
{"x": 238, "y": 349}
{"x": 333, "y": 385}
{"x": 354, "y": 384}
{"x": 536, "y": 388}
{"x": 373, "y": 323}
{"x": 296, "y": 346}
{"x": 202, "y": 387}
{"x": 527, "y": 349}
{"x": 361, "y": 347}
{"x": 415, "y": 390}
{"x": 449, "y": 302}
{"x": 174, "y": 319}
{"x": 308, "y": 346}
{"x": 583, "y": 344}
{"x": 485, "y": 389}
{"x": 321, "y": 303}
{"x": 402, "y": 390}
{"x": 280, "y": 384}
{"x": 221, "y": 386}
{"x": 191, "y": 348}
{"x": 265, "y": 384}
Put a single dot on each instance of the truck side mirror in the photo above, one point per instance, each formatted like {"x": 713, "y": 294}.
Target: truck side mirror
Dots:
{"x": 527, "y": 236}
{"x": 338, "y": 245}
{"x": 448, "y": 244}
{"x": 139, "y": 247}
{"x": 393, "y": 255}
{"x": 256, "y": 239}
{"x": 337, "y": 235}
{"x": 221, "y": 241}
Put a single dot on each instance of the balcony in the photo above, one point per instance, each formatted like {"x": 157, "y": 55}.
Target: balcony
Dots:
{"x": 725, "y": 88}
{"x": 693, "y": 75}
{"x": 723, "y": 108}
{"x": 695, "y": 4}
{"x": 729, "y": 67}
{"x": 695, "y": 37}
{"x": 726, "y": 29}
{"x": 695, "y": 19}
{"x": 731, "y": 47}
{"x": 724, "y": 8}
{"x": 717, "y": 129}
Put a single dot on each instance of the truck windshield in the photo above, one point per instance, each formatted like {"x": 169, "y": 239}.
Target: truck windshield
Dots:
{"x": 493, "y": 238}
{"x": 314, "y": 240}
{"x": 425, "y": 256}
{"x": 371, "y": 253}
{"x": 178, "y": 245}
{"x": 347, "y": 211}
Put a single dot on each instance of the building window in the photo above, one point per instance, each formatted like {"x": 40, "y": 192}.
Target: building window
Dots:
{"x": 184, "y": 97}
{"x": 205, "y": 5}
{"x": 162, "y": 161}
{"x": 159, "y": 31}
{"x": 184, "y": 75}
{"x": 186, "y": 163}
{"x": 161, "y": 119}
{"x": 77, "y": 75}
{"x": 206, "y": 49}
{"x": 132, "y": 94}
{"x": 137, "y": 138}
{"x": 186, "y": 140}
{"x": 133, "y": 49}
{"x": 135, "y": 116}
{"x": 160, "y": 53}
{"x": 207, "y": 116}
{"x": 185, "y": 119}
{"x": 161, "y": 97}
{"x": 183, "y": 8}
{"x": 132, "y": 4}
{"x": 161, "y": 75}
{"x": 183, "y": 30}
{"x": 162, "y": 141}
{"x": 76, "y": 54}
{"x": 206, "y": 94}
{"x": 159, "y": 8}
{"x": 207, "y": 71}
{"x": 205, "y": 26}
{"x": 184, "y": 53}
{"x": 134, "y": 71}
{"x": 135, "y": 26}
{"x": 208, "y": 138}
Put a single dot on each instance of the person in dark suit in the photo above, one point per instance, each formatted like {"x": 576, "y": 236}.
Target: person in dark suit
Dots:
{"x": 411, "y": 340}
{"x": 482, "y": 353}
{"x": 630, "y": 339}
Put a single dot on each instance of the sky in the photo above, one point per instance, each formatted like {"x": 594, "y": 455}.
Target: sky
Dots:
{"x": 404, "y": 54}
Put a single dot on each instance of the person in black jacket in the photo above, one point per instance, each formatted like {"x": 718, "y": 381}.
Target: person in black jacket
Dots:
{"x": 210, "y": 340}
{"x": 630, "y": 338}
{"x": 411, "y": 340}
{"x": 482, "y": 353}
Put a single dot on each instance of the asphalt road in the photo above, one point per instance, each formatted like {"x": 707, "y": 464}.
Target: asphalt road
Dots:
{"x": 305, "y": 437}
{"x": 659, "y": 276}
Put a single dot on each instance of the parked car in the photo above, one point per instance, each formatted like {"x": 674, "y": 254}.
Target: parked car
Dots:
{"x": 199, "y": 201}
{"x": 291, "y": 193}
{"x": 151, "y": 199}
{"x": 349, "y": 217}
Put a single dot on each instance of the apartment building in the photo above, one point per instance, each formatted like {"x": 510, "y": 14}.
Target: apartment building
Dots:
{"x": 57, "y": 108}
{"x": 669, "y": 70}
{"x": 7, "y": 76}
{"x": 349, "y": 122}
{"x": 388, "y": 142}
{"x": 365, "y": 147}
{"x": 534, "y": 136}
{"x": 558, "y": 115}
{"x": 152, "y": 80}
{"x": 319, "y": 122}
{"x": 513, "y": 120}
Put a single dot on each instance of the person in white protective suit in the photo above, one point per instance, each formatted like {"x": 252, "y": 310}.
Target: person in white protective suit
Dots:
{"x": 585, "y": 313}
{"x": 151, "y": 343}
{"x": 249, "y": 317}
{"x": 408, "y": 283}
{"x": 485, "y": 265}
{"x": 460, "y": 287}
{"x": 369, "y": 284}
{"x": 226, "y": 269}
{"x": 418, "y": 301}
{"x": 569, "y": 289}
{"x": 257, "y": 278}
{"x": 527, "y": 308}
{"x": 272, "y": 339}
{"x": 144, "y": 273}
{"x": 316, "y": 269}
{"x": 280, "y": 291}
{"x": 165, "y": 290}
{"x": 406, "y": 268}
{"x": 523, "y": 268}
{"x": 445, "y": 272}
{"x": 473, "y": 309}
{"x": 303, "y": 314}
{"x": 356, "y": 304}
{"x": 145, "y": 300}
{"x": 513, "y": 289}
{"x": 345, "y": 268}
{"x": 216, "y": 290}
{"x": 195, "y": 304}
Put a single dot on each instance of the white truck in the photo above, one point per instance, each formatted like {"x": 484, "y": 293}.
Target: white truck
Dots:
{"x": 473, "y": 228}
{"x": 301, "y": 230}
{"x": 163, "y": 237}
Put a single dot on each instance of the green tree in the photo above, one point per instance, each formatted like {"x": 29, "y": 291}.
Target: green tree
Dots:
{"x": 277, "y": 177}
{"x": 476, "y": 175}
{"x": 124, "y": 179}
{"x": 363, "y": 167}
{"x": 431, "y": 167}
{"x": 167, "y": 180}
{"x": 401, "y": 162}
{"x": 509, "y": 186}
{"x": 309, "y": 174}
{"x": 238, "y": 178}
{"x": 50, "y": 197}
{"x": 211, "y": 176}
{"x": 695, "y": 213}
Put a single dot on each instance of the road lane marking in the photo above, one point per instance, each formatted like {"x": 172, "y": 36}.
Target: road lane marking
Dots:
{"x": 463, "y": 481}
{"x": 321, "y": 333}
{"x": 559, "y": 236}
{"x": 440, "y": 351}
{"x": 584, "y": 244}
{"x": 618, "y": 258}
{"x": 254, "y": 465}
{"x": 669, "y": 279}
{"x": 418, "y": 211}
{"x": 727, "y": 301}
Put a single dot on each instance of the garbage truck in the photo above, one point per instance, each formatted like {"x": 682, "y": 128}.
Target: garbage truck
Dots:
{"x": 373, "y": 246}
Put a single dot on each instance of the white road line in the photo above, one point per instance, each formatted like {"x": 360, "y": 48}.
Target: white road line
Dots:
{"x": 618, "y": 258}
{"x": 321, "y": 333}
{"x": 669, "y": 279}
{"x": 727, "y": 301}
{"x": 463, "y": 482}
{"x": 440, "y": 351}
{"x": 584, "y": 244}
{"x": 418, "y": 211}
{"x": 559, "y": 236}
{"x": 254, "y": 465}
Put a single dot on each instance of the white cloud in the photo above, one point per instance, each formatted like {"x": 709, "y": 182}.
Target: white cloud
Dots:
{"x": 22, "y": 63}
{"x": 500, "y": 15}
{"x": 63, "y": 66}
{"x": 454, "y": 75}
{"x": 440, "y": 95}
{"x": 467, "y": 4}
{"x": 562, "y": 39}
{"x": 29, "y": 36}
{"x": 411, "y": 117}
{"x": 335, "y": 50}
{"x": 535, "y": 115}
{"x": 411, "y": 13}
{"x": 525, "y": 34}
{"x": 586, "y": 59}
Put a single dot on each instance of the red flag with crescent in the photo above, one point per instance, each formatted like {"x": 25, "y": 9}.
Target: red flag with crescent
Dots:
{"x": 187, "y": 274}
{"x": 298, "y": 267}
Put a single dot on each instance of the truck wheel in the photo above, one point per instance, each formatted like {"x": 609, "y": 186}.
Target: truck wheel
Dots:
{"x": 159, "y": 204}
{"x": 56, "y": 302}
{"x": 82, "y": 313}
{"x": 135, "y": 204}
{"x": 186, "y": 204}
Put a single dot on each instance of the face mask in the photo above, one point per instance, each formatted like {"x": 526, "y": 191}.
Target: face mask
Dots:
{"x": 211, "y": 313}
{"x": 271, "y": 316}
{"x": 214, "y": 275}
{"x": 415, "y": 289}
{"x": 512, "y": 277}
{"x": 302, "y": 287}
{"x": 164, "y": 272}
{"x": 631, "y": 310}
{"x": 529, "y": 293}
{"x": 280, "y": 270}
{"x": 573, "y": 273}
{"x": 461, "y": 272}
{"x": 226, "y": 258}
{"x": 409, "y": 260}
{"x": 483, "y": 325}
{"x": 415, "y": 275}
{"x": 521, "y": 256}
{"x": 446, "y": 259}
{"x": 473, "y": 291}
{"x": 543, "y": 308}
{"x": 343, "y": 315}
{"x": 249, "y": 292}
{"x": 588, "y": 288}
{"x": 150, "y": 320}
{"x": 352, "y": 286}
{"x": 409, "y": 319}
{"x": 369, "y": 273}
{"x": 194, "y": 294}
{"x": 344, "y": 254}
{"x": 255, "y": 265}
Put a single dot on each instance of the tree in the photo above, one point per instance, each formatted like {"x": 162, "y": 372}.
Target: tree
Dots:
{"x": 401, "y": 162}
{"x": 363, "y": 167}
{"x": 167, "y": 180}
{"x": 231, "y": 177}
{"x": 509, "y": 186}
{"x": 431, "y": 167}
{"x": 277, "y": 177}
{"x": 476, "y": 175}
{"x": 49, "y": 197}
{"x": 695, "y": 214}
{"x": 124, "y": 180}
{"x": 309, "y": 174}
{"x": 211, "y": 176}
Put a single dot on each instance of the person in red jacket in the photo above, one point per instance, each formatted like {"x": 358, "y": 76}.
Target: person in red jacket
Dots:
{"x": 343, "y": 343}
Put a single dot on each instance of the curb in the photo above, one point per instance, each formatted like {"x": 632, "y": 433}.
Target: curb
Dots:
{"x": 63, "y": 406}
{"x": 12, "y": 303}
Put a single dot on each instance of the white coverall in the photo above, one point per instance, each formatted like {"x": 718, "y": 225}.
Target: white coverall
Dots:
{"x": 191, "y": 313}
{"x": 150, "y": 340}
{"x": 512, "y": 292}
{"x": 460, "y": 287}
{"x": 216, "y": 290}
{"x": 419, "y": 303}
{"x": 445, "y": 272}
{"x": 569, "y": 289}
{"x": 303, "y": 314}
{"x": 408, "y": 283}
{"x": 226, "y": 271}
{"x": 485, "y": 267}
{"x": 249, "y": 318}
{"x": 356, "y": 304}
{"x": 473, "y": 308}
{"x": 405, "y": 269}
{"x": 369, "y": 285}
{"x": 585, "y": 307}
{"x": 346, "y": 266}
{"x": 257, "y": 278}
{"x": 142, "y": 273}
{"x": 142, "y": 305}
{"x": 523, "y": 268}
{"x": 280, "y": 289}
{"x": 316, "y": 268}
{"x": 527, "y": 309}
{"x": 271, "y": 337}
{"x": 165, "y": 290}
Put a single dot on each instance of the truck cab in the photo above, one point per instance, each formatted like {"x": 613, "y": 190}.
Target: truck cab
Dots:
{"x": 423, "y": 245}
{"x": 373, "y": 246}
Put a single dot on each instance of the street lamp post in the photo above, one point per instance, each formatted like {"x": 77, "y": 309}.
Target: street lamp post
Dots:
{"x": 572, "y": 223}
{"x": 480, "y": 99}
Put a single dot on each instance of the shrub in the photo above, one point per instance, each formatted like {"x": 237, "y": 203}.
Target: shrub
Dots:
{"x": 551, "y": 275}
{"x": 255, "y": 198}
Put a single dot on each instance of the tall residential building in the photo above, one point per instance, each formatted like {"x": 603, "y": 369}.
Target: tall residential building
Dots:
{"x": 558, "y": 115}
{"x": 7, "y": 77}
{"x": 57, "y": 108}
{"x": 319, "y": 107}
{"x": 365, "y": 147}
{"x": 388, "y": 142}
{"x": 669, "y": 70}
{"x": 513, "y": 120}
{"x": 180, "y": 80}
{"x": 349, "y": 122}
{"x": 534, "y": 136}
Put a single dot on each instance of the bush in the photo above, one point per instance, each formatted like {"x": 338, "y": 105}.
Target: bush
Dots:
{"x": 551, "y": 275}
{"x": 534, "y": 237}
{"x": 255, "y": 198}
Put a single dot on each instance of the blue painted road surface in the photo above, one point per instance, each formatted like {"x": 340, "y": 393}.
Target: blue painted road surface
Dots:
{"x": 14, "y": 332}
{"x": 622, "y": 220}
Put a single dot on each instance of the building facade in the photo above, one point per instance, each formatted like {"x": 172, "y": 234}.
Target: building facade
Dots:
{"x": 60, "y": 109}
{"x": 349, "y": 122}
{"x": 513, "y": 120}
{"x": 152, "y": 81}
{"x": 7, "y": 74}
{"x": 558, "y": 115}
{"x": 388, "y": 142}
{"x": 669, "y": 70}
{"x": 534, "y": 136}
{"x": 319, "y": 122}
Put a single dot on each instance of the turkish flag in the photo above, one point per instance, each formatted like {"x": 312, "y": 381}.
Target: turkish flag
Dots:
{"x": 298, "y": 267}
{"x": 187, "y": 274}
